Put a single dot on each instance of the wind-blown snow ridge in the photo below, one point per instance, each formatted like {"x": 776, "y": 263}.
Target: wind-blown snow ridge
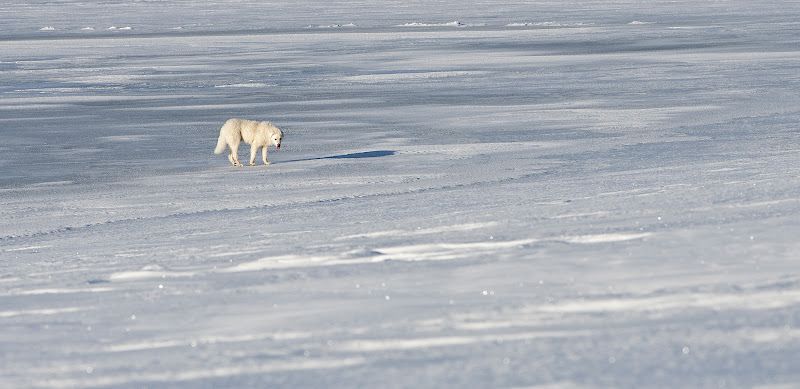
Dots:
{"x": 147, "y": 274}
{"x": 604, "y": 238}
{"x": 324, "y": 26}
{"x": 548, "y": 24}
{"x": 419, "y": 24}
{"x": 412, "y": 253}
{"x": 365, "y": 345}
{"x": 57, "y": 291}
{"x": 406, "y": 253}
{"x": 43, "y": 311}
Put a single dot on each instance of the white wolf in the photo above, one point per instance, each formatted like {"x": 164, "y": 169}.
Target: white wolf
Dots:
{"x": 257, "y": 134}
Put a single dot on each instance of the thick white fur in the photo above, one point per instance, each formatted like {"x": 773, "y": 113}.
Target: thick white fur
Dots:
{"x": 258, "y": 134}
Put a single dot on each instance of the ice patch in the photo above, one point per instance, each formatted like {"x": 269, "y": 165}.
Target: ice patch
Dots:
{"x": 47, "y": 28}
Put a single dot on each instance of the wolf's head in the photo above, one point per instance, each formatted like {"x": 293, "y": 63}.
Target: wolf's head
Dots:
{"x": 276, "y": 138}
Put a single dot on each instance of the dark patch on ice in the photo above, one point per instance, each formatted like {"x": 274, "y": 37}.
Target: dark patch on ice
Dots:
{"x": 365, "y": 154}
{"x": 363, "y": 252}
{"x": 99, "y": 281}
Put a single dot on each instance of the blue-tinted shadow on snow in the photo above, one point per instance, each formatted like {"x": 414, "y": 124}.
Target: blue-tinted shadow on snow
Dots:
{"x": 365, "y": 154}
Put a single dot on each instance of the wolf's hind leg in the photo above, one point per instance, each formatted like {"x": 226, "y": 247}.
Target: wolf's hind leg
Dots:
{"x": 230, "y": 157}
{"x": 233, "y": 154}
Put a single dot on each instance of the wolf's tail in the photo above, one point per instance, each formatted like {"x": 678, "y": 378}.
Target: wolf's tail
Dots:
{"x": 220, "y": 145}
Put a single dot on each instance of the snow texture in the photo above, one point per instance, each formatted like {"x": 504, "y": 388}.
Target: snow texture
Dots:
{"x": 554, "y": 194}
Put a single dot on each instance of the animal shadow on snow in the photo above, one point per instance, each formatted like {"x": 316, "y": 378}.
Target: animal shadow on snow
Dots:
{"x": 365, "y": 154}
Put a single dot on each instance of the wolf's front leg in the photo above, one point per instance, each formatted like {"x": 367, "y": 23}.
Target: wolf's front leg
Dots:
{"x": 253, "y": 152}
{"x": 264, "y": 155}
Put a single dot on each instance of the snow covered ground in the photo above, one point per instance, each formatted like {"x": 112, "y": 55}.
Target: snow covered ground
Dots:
{"x": 557, "y": 194}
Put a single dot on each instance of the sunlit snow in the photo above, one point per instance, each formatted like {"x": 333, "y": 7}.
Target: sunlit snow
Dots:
{"x": 548, "y": 194}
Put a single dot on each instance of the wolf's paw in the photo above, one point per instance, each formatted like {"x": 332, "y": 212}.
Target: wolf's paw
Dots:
{"x": 238, "y": 164}
{"x": 252, "y": 164}
{"x": 267, "y": 163}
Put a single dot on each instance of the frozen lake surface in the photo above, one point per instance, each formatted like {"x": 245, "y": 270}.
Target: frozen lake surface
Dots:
{"x": 562, "y": 194}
